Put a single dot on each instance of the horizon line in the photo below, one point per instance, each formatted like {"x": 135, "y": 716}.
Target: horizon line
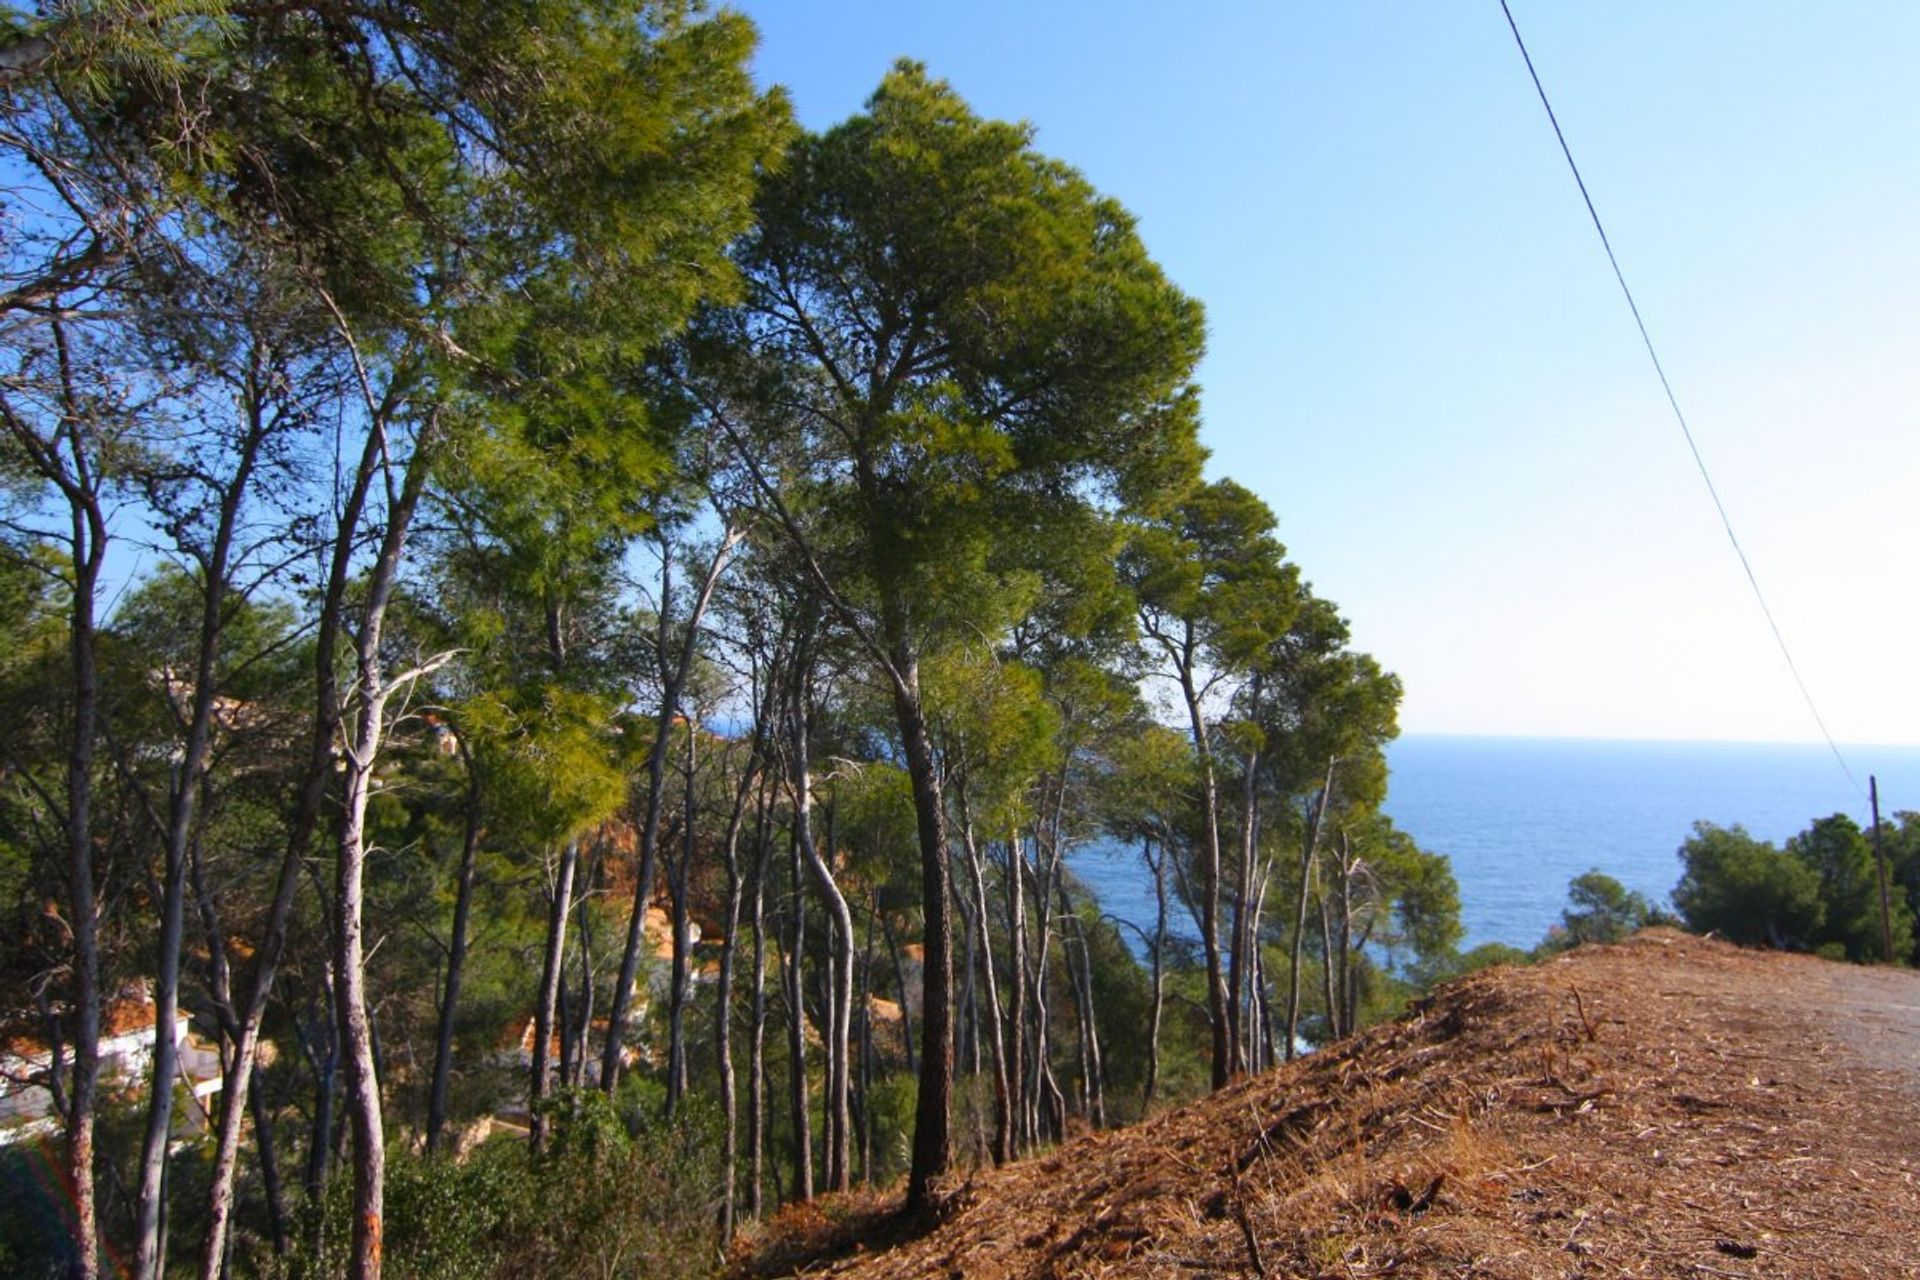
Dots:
{"x": 1523, "y": 736}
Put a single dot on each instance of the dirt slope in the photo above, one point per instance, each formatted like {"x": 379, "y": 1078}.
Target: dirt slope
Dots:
{"x": 1669, "y": 1107}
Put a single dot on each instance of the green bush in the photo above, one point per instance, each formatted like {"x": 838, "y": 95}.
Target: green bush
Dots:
{"x": 1601, "y": 909}
{"x": 1821, "y": 893}
{"x": 1746, "y": 890}
{"x": 618, "y": 1193}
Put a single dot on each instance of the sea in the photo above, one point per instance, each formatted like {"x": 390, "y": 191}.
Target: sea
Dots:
{"x": 1521, "y": 817}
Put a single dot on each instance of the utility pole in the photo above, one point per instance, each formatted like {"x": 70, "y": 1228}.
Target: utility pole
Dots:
{"x": 1880, "y": 858}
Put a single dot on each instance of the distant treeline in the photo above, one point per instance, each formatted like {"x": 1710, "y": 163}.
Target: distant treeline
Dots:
{"x": 1826, "y": 892}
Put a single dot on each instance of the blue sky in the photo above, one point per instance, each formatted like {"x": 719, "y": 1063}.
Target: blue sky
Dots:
{"x": 1417, "y": 354}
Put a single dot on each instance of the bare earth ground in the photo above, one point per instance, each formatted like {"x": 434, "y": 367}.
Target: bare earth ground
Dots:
{"x": 1668, "y": 1107}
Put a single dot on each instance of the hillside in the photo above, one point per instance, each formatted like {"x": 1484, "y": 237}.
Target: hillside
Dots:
{"x": 1669, "y": 1107}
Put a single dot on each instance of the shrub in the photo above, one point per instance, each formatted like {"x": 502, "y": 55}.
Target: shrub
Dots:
{"x": 618, "y": 1193}
{"x": 1746, "y": 890}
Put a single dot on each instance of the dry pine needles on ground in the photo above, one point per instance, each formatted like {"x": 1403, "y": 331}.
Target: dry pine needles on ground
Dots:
{"x": 1668, "y": 1107}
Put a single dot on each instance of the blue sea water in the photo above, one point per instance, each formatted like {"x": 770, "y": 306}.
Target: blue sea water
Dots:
{"x": 1520, "y": 817}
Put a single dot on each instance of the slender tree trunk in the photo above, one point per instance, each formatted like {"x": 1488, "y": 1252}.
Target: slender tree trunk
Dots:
{"x": 796, "y": 1029}
{"x": 1015, "y": 881}
{"x": 723, "y": 994}
{"x": 866, "y": 1048}
{"x": 1344, "y": 940}
{"x": 839, "y": 1001}
{"x": 563, "y": 1026}
{"x": 900, "y": 988}
{"x": 1218, "y": 1010}
{"x": 88, "y": 545}
{"x": 150, "y": 1203}
{"x": 678, "y": 870}
{"x": 967, "y": 1031}
{"x": 362, "y": 752}
{"x": 1244, "y": 936}
{"x": 322, "y": 1048}
{"x": 757, "y": 1045}
{"x": 1329, "y": 961}
{"x": 317, "y": 778}
{"x": 149, "y": 1258}
{"x": 550, "y": 981}
{"x": 674, "y": 671}
{"x": 1083, "y": 1028}
{"x": 1050, "y": 1101}
{"x": 1260, "y": 1040}
{"x": 1312, "y": 844}
{"x": 1238, "y": 960}
{"x": 456, "y": 954}
{"x": 583, "y": 1016}
{"x": 934, "y": 1108}
{"x": 1159, "y": 868}
{"x": 1002, "y": 1095}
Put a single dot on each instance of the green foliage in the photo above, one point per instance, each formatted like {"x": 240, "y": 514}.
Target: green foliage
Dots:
{"x": 955, "y": 343}
{"x": 1211, "y": 564}
{"x": 615, "y": 1195}
{"x": 1900, "y": 838}
{"x": 1837, "y": 852}
{"x": 997, "y": 729}
{"x": 1746, "y": 890}
{"x": 1601, "y": 909}
{"x": 1822, "y": 893}
{"x": 1415, "y": 885}
{"x": 1488, "y": 954}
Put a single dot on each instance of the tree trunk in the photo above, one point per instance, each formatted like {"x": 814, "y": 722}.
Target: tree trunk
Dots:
{"x": 1328, "y": 963}
{"x": 1260, "y": 1050}
{"x": 362, "y": 752}
{"x": 324, "y": 1059}
{"x": 933, "y": 1112}
{"x": 900, "y": 989}
{"x": 1245, "y": 938}
{"x": 1344, "y": 941}
{"x": 1049, "y": 1101}
{"x": 839, "y": 1004}
{"x": 1312, "y": 843}
{"x": 1238, "y": 959}
{"x": 149, "y": 1258}
{"x": 723, "y": 996}
{"x": 1218, "y": 1012}
{"x": 682, "y": 981}
{"x": 317, "y": 779}
{"x": 550, "y": 979}
{"x": 796, "y": 1029}
{"x": 88, "y": 545}
{"x": 757, "y": 1044}
{"x": 1159, "y": 868}
{"x": 1002, "y": 1095}
{"x": 1092, "y": 1104}
{"x": 456, "y": 953}
{"x": 583, "y": 1016}
{"x": 1016, "y": 872}
{"x": 967, "y": 1030}
{"x": 865, "y": 1104}
{"x": 673, "y": 681}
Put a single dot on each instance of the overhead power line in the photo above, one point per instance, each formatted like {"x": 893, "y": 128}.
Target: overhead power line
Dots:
{"x": 1673, "y": 402}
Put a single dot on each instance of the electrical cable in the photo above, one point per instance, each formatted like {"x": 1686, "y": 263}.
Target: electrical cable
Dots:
{"x": 1674, "y": 402}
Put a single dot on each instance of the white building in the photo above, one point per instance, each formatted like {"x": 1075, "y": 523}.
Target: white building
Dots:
{"x": 127, "y": 1038}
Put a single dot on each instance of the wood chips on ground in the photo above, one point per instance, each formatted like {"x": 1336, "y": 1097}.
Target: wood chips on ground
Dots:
{"x": 1668, "y": 1107}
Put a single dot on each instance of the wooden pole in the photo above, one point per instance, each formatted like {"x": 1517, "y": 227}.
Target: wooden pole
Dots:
{"x": 1880, "y": 858}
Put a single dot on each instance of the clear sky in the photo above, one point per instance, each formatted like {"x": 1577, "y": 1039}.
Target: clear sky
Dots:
{"x": 1417, "y": 354}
